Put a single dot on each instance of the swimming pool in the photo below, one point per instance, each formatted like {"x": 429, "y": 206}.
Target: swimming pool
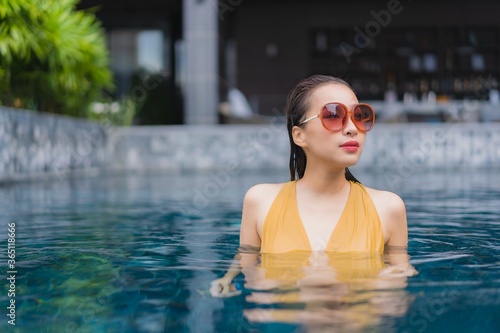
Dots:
{"x": 137, "y": 253}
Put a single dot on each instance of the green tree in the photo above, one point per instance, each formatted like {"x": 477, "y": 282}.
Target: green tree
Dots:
{"x": 52, "y": 57}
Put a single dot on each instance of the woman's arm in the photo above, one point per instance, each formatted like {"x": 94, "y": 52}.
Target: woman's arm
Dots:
{"x": 396, "y": 226}
{"x": 395, "y": 220}
{"x": 392, "y": 212}
{"x": 249, "y": 235}
{"x": 223, "y": 287}
{"x": 248, "y": 250}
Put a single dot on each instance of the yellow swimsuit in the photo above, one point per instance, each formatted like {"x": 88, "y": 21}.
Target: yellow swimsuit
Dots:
{"x": 358, "y": 229}
{"x": 347, "y": 272}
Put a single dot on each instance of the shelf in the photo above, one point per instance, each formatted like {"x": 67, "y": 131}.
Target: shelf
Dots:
{"x": 401, "y": 55}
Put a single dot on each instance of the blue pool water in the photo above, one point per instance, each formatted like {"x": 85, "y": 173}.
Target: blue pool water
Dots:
{"x": 137, "y": 253}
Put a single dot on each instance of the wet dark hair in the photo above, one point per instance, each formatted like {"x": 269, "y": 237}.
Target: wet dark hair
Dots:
{"x": 297, "y": 104}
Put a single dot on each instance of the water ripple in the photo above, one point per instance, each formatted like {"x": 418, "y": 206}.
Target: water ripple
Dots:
{"x": 135, "y": 251}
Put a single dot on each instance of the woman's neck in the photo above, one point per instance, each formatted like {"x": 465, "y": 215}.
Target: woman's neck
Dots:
{"x": 324, "y": 181}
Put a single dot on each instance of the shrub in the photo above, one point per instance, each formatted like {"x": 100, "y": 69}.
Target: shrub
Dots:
{"x": 113, "y": 113}
{"x": 52, "y": 57}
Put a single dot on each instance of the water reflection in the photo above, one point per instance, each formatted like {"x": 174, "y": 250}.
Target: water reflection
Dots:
{"x": 354, "y": 291}
{"x": 123, "y": 254}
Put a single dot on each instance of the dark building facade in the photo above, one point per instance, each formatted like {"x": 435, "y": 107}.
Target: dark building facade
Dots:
{"x": 142, "y": 37}
{"x": 448, "y": 47}
{"x": 413, "y": 48}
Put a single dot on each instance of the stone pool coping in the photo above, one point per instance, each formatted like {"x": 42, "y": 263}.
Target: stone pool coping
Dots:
{"x": 34, "y": 145}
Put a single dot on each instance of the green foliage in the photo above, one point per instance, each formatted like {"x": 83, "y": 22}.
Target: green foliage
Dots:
{"x": 113, "y": 113}
{"x": 52, "y": 57}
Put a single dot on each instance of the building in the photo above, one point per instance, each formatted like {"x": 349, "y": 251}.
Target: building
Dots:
{"x": 416, "y": 50}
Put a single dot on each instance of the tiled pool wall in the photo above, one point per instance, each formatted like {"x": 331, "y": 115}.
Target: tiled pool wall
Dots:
{"x": 34, "y": 144}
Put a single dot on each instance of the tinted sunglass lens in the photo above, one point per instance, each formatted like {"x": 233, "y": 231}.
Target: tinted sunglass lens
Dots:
{"x": 364, "y": 117}
{"x": 334, "y": 116}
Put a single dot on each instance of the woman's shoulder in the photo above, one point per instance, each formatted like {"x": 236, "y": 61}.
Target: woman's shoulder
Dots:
{"x": 262, "y": 192}
{"x": 386, "y": 200}
{"x": 392, "y": 213}
{"x": 258, "y": 200}
{"x": 382, "y": 194}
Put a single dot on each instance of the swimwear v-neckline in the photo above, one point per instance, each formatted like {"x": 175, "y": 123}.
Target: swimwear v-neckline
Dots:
{"x": 341, "y": 218}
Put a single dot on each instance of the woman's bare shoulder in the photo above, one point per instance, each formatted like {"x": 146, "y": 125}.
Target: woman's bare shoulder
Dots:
{"x": 386, "y": 200}
{"x": 392, "y": 212}
{"x": 261, "y": 194}
{"x": 257, "y": 202}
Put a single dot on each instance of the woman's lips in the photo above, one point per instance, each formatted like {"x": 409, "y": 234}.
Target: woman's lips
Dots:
{"x": 350, "y": 146}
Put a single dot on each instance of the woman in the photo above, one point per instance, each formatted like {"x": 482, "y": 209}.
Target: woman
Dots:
{"x": 319, "y": 159}
{"x": 323, "y": 207}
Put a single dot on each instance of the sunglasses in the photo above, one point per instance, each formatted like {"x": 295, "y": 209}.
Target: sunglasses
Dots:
{"x": 334, "y": 117}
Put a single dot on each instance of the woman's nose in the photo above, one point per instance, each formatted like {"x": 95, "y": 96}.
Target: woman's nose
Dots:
{"x": 350, "y": 128}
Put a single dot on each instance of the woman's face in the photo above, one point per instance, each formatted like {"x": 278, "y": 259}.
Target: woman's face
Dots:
{"x": 342, "y": 148}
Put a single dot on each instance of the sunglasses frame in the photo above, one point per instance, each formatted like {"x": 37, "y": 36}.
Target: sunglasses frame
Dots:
{"x": 319, "y": 115}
